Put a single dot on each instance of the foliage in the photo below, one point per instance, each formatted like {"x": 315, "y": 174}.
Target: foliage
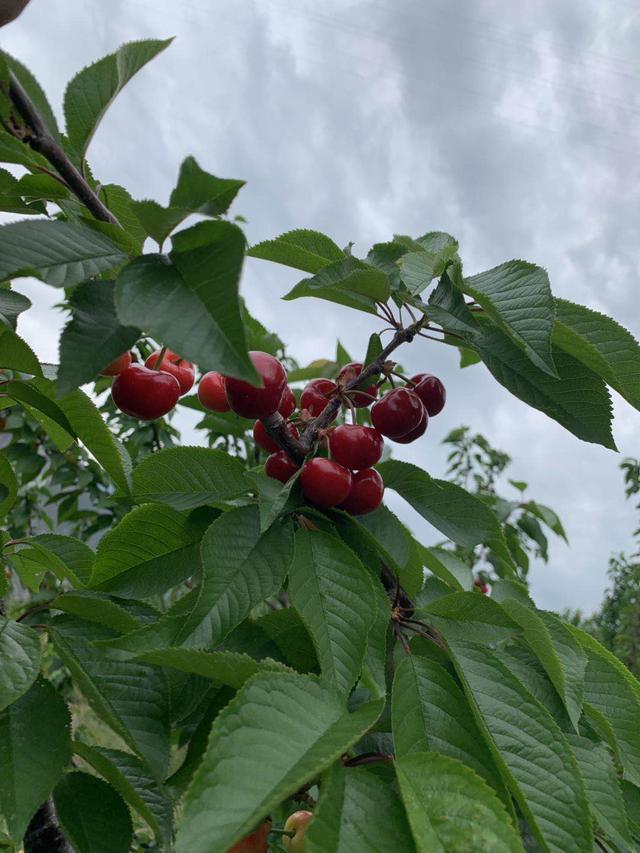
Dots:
{"x": 249, "y": 654}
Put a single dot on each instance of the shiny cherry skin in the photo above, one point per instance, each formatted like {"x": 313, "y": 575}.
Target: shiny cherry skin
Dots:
{"x": 177, "y": 366}
{"x": 144, "y": 393}
{"x": 367, "y": 490}
{"x": 481, "y": 586}
{"x": 416, "y": 432}
{"x": 431, "y": 391}
{"x": 367, "y": 395}
{"x": 262, "y": 437}
{"x": 298, "y": 822}
{"x": 324, "y": 482}
{"x": 117, "y": 365}
{"x": 280, "y": 466}
{"x": 317, "y": 394}
{"x": 356, "y": 446}
{"x": 250, "y": 401}
{"x": 397, "y": 413}
{"x": 287, "y": 403}
{"x": 212, "y": 392}
{"x": 256, "y": 842}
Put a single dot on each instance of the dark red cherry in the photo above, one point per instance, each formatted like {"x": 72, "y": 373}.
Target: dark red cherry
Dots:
{"x": 355, "y": 446}
{"x": 177, "y": 366}
{"x": 280, "y": 466}
{"x": 367, "y": 395}
{"x": 481, "y": 586}
{"x": 248, "y": 400}
{"x": 144, "y": 393}
{"x": 416, "y": 432}
{"x": 265, "y": 441}
{"x": 287, "y": 403}
{"x": 431, "y": 391}
{"x": 117, "y": 365}
{"x": 397, "y": 413}
{"x": 317, "y": 394}
{"x": 324, "y": 482}
{"x": 212, "y": 393}
{"x": 367, "y": 490}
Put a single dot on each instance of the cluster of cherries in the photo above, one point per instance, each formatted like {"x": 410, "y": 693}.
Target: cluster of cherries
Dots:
{"x": 346, "y": 478}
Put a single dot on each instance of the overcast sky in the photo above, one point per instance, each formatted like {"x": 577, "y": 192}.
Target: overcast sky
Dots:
{"x": 518, "y": 132}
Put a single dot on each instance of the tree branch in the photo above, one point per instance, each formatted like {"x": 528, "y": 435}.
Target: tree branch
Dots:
{"x": 40, "y": 139}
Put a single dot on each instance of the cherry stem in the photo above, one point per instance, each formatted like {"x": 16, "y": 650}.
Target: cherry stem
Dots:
{"x": 367, "y": 758}
{"x": 158, "y": 362}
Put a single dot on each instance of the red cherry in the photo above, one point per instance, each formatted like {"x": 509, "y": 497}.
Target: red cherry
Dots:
{"x": 265, "y": 441}
{"x": 416, "y": 432}
{"x": 355, "y": 446}
{"x": 364, "y": 398}
{"x": 177, "y": 366}
{"x": 431, "y": 391}
{"x": 250, "y": 401}
{"x": 256, "y": 842}
{"x": 481, "y": 586}
{"x": 144, "y": 393}
{"x": 212, "y": 393}
{"x": 317, "y": 394}
{"x": 397, "y": 413}
{"x": 280, "y": 466}
{"x": 287, "y": 403}
{"x": 324, "y": 482}
{"x": 117, "y": 365}
{"x": 367, "y": 489}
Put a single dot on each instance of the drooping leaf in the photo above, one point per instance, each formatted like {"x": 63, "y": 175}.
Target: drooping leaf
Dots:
{"x": 27, "y": 392}
{"x": 451, "y": 808}
{"x": 92, "y": 814}
{"x": 333, "y": 593}
{"x": 19, "y": 660}
{"x": 279, "y": 732}
{"x": 92, "y": 90}
{"x": 304, "y": 250}
{"x": 34, "y": 749}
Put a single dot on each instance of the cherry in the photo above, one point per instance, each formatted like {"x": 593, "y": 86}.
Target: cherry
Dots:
{"x": 364, "y": 398}
{"x": 416, "y": 432}
{"x": 324, "y": 482}
{"x": 355, "y": 446}
{"x": 256, "y": 842}
{"x": 317, "y": 394}
{"x": 431, "y": 391}
{"x": 174, "y": 364}
{"x": 280, "y": 466}
{"x": 249, "y": 400}
{"x": 481, "y": 586}
{"x": 265, "y": 441}
{"x": 397, "y": 413}
{"x": 117, "y": 365}
{"x": 144, "y": 393}
{"x": 212, "y": 393}
{"x": 367, "y": 489}
{"x": 298, "y": 822}
{"x": 287, "y": 403}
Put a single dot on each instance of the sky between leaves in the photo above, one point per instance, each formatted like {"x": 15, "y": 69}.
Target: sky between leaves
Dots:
{"x": 516, "y": 133}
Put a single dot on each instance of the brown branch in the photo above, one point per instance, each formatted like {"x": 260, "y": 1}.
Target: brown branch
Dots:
{"x": 40, "y": 139}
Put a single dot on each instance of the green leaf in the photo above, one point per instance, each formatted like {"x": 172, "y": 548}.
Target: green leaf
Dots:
{"x": 531, "y": 751}
{"x": 603, "y": 789}
{"x": 9, "y": 485}
{"x": 279, "y": 732}
{"x": 357, "y": 813}
{"x": 92, "y": 815}
{"x": 449, "y": 568}
{"x": 93, "y": 607}
{"x": 430, "y": 713}
{"x": 35, "y": 93}
{"x": 374, "y": 348}
{"x": 601, "y": 344}
{"x": 26, "y": 392}
{"x": 450, "y": 808}
{"x": 333, "y": 593}
{"x": 158, "y": 221}
{"x": 68, "y": 558}
{"x": 517, "y": 296}
{"x": 349, "y": 282}
{"x": 109, "y": 686}
{"x": 187, "y": 477}
{"x": 14, "y": 151}
{"x": 201, "y": 192}
{"x": 93, "y": 337}
{"x": 419, "y": 268}
{"x": 286, "y": 629}
{"x": 120, "y": 203}
{"x": 274, "y": 497}
{"x": 12, "y": 304}
{"x": 19, "y": 660}
{"x": 34, "y": 749}
{"x": 136, "y": 786}
{"x": 92, "y": 90}
{"x": 304, "y": 250}
{"x": 230, "y": 668}
{"x": 463, "y": 614}
{"x": 58, "y": 253}
{"x": 578, "y": 400}
{"x": 17, "y": 354}
{"x": 396, "y": 540}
